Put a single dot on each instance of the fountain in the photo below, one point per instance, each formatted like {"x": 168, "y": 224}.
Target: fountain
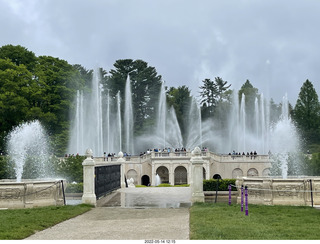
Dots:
{"x": 284, "y": 139}
{"x": 128, "y": 118}
{"x": 28, "y": 148}
{"x": 108, "y": 129}
{"x": 158, "y": 180}
{"x": 29, "y": 142}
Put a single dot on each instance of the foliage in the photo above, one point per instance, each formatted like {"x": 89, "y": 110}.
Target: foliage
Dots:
{"x": 223, "y": 222}
{"x": 18, "y": 224}
{"x": 145, "y": 87}
{"x": 41, "y": 88}
{"x": 180, "y": 98}
{"x": 70, "y": 168}
{"x": 6, "y": 169}
{"x": 306, "y": 113}
{"x": 314, "y": 164}
{"x": 210, "y": 185}
{"x": 74, "y": 188}
{"x": 212, "y": 94}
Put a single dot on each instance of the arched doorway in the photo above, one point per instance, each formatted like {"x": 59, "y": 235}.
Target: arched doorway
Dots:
{"x": 145, "y": 180}
{"x": 217, "y": 176}
{"x": 180, "y": 176}
{"x": 163, "y": 172}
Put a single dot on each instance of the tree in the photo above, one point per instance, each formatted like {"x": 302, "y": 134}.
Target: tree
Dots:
{"x": 145, "y": 87}
{"x": 213, "y": 93}
{"x": 180, "y": 99}
{"x": 208, "y": 93}
{"x": 306, "y": 113}
{"x": 58, "y": 82}
{"x": 16, "y": 88}
{"x": 19, "y": 55}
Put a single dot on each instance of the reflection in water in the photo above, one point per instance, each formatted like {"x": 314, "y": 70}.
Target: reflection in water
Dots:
{"x": 151, "y": 197}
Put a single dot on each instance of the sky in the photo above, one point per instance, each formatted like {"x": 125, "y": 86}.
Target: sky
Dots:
{"x": 274, "y": 44}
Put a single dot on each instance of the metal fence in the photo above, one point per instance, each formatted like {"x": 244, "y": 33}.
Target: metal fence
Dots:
{"x": 107, "y": 179}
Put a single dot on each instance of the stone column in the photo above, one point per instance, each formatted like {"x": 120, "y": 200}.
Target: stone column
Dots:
{"x": 196, "y": 160}
{"x": 153, "y": 175}
{"x": 122, "y": 161}
{"x": 89, "y": 196}
{"x": 171, "y": 174}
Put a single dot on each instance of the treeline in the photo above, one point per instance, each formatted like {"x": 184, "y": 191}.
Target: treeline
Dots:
{"x": 44, "y": 88}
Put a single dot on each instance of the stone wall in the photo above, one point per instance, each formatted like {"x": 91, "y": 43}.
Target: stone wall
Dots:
{"x": 30, "y": 194}
{"x": 276, "y": 191}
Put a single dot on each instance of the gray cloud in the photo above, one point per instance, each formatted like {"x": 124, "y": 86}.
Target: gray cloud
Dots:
{"x": 274, "y": 44}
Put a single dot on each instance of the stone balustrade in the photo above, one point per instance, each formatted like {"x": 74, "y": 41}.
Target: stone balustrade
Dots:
{"x": 278, "y": 191}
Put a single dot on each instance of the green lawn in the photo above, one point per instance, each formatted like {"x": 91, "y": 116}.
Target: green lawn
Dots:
{"x": 17, "y": 224}
{"x": 210, "y": 221}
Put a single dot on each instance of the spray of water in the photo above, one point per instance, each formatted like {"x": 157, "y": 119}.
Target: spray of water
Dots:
{"x": 28, "y": 142}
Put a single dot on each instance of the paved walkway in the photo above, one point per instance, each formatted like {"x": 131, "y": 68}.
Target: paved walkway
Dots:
{"x": 133, "y": 222}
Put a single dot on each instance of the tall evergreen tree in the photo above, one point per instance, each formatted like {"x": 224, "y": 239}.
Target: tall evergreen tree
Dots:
{"x": 145, "y": 87}
{"x": 306, "y": 113}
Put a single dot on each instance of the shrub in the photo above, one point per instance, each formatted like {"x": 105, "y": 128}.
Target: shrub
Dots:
{"x": 210, "y": 185}
{"x": 74, "y": 188}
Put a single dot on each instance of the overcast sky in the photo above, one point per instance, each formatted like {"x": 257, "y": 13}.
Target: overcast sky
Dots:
{"x": 273, "y": 43}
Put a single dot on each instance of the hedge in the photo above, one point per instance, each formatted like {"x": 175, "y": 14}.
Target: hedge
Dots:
{"x": 210, "y": 185}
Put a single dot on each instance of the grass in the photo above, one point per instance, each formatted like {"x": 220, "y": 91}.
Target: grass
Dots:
{"x": 17, "y": 224}
{"x": 223, "y": 222}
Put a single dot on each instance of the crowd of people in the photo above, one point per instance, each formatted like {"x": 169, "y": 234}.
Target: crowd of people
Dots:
{"x": 251, "y": 154}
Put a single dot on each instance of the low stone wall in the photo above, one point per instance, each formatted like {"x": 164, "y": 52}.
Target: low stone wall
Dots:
{"x": 274, "y": 191}
{"x": 30, "y": 194}
{"x": 222, "y": 196}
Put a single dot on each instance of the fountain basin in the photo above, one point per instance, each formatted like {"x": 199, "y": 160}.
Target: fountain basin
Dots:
{"x": 31, "y": 193}
{"x": 303, "y": 191}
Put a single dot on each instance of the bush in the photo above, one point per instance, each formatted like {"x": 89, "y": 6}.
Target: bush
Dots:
{"x": 6, "y": 168}
{"x": 74, "y": 188}
{"x": 70, "y": 168}
{"x": 210, "y": 185}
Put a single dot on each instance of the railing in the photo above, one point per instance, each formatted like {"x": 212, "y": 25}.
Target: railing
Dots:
{"x": 107, "y": 179}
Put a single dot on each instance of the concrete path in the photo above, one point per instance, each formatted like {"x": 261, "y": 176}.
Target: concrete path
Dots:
{"x": 122, "y": 224}
{"x": 128, "y": 223}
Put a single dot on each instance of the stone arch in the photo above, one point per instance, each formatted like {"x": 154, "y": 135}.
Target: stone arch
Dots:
{"x": 237, "y": 172}
{"x": 216, "y": 176}
{"x": 145, "y": 180}
{"x": 204, "y": 173}
{"x": 134, "y": 175}
{"x": 163, "y": 172}
{"x": 252, "y": 172}
{"x": 180, "y": 175}
{"x": 266, "y": 172}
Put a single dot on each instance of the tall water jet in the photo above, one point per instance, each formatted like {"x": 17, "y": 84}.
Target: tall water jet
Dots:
{"x": 119, "y": 121}
{"x": 97, "y": 116}
{"x": 79, "y": 121}
{"x": 242, "y": 132}
{"x": 108, "y": 125}
{"x": 128, "y": 117}
{"x": 162, "y": 116}
{"x": 194, "y": 126}
{"x": 28, "y": 142}
{"x": 284, "y": 138}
